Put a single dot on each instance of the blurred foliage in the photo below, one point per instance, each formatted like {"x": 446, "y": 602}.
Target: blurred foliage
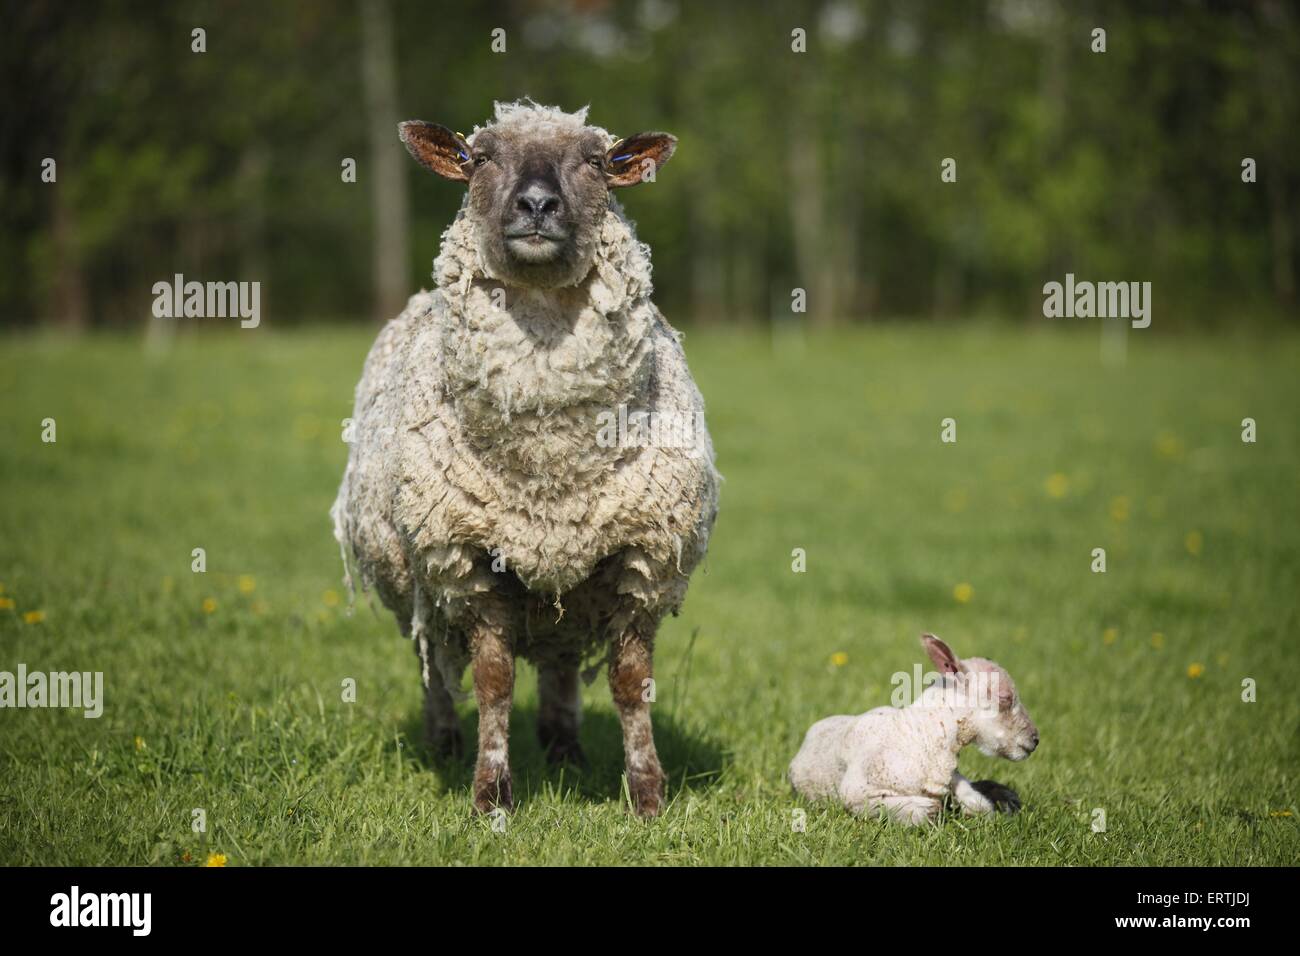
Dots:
{"x": 817, "y": 170}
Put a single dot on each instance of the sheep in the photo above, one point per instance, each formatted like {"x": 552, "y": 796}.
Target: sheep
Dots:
{"x": 495, "y": 497}
{"x": 902, "y": 761}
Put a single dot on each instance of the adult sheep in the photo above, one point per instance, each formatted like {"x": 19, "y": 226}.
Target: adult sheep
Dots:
{"x": 511, "y": 490}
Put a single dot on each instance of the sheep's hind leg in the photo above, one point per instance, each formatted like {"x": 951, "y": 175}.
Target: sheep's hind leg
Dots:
{"x": 493, "y": 664}
{"x": 441, "y": 725}
{"x": 559, "y": 713}
{"x": 630, "y": 671}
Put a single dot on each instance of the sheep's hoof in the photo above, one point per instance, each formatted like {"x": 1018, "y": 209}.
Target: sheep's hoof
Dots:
{"x": 565, "y": 752}
{"x": 647, "y": 792}
{"x": 492, "y": 790}
{"x": 1003, "y": 798}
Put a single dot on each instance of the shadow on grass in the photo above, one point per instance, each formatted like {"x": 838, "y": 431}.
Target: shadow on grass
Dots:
{"x": 691, "y": 759}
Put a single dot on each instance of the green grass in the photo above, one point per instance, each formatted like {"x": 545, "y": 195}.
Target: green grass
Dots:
{"x": 232, "y": 443}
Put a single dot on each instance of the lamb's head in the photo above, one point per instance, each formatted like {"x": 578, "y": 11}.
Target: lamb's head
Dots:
{"x": 539, "y": 185}
{"x": 999, "y": 722}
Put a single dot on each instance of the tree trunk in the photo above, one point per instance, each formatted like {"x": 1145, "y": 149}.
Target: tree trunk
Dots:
{"x": 387, "y": 172}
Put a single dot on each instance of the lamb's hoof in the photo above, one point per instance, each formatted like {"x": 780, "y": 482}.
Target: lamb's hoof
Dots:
{"x": 565, "y": 752}
{"x": 1003, "y": 798}
{"x": 447, "y": 743}
{"x": 647, "y": 792}
{"x": 492, "y": 790}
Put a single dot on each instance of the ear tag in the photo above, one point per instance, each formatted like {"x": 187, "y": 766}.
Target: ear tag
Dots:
{"x": 619, "y": 159}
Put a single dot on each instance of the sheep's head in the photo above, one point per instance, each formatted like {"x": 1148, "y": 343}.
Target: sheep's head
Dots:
{"x": 1001, "y": 725}
{"x": 539, "y": 185}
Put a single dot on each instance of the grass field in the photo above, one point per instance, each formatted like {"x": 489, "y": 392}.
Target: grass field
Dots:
{"x": 223, "y": 689}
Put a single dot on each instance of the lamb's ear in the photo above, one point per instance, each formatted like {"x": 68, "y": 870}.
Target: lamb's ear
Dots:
{"x": 638, "y": 158}
{"x": 941, "y": 654}
{"x": 436, "y": 148}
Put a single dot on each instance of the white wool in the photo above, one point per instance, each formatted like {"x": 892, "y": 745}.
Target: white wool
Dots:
{"x": 474, "y": 437}
{"x": 903, "y": 760}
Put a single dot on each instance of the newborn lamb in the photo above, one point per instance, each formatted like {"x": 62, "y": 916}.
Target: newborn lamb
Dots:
{"x": 903, "y": 760}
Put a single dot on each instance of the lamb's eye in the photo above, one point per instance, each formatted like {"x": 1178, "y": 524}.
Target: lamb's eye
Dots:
{"x": 596, "y": 162}
{"x": 480, "y": 160}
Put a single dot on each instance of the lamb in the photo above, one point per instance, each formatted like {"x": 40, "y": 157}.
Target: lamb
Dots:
{"x": 488, "y": 498}
{"x": 903, "y": 761}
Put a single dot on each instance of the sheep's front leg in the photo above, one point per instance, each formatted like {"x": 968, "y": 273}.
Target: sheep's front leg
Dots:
{"x": 493, "y": 664}
{"x": 971, "y": 801}
{"x": 630, "y": 670}
{"x": 559, "y": 713}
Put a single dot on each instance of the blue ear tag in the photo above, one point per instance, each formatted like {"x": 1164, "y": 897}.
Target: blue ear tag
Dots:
{"x": 619, "y": 159}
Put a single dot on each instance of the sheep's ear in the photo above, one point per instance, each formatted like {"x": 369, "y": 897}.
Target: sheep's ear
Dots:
{"x": 638, "y": 158}
{"x": 941, "y": 654}
{"x": 437, "y": 149}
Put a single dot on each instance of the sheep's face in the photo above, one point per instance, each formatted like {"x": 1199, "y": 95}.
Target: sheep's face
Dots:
{"x": 1003, "y": 728}
{"x": 539, "y": 184}
{"x": 1000, "y": 724}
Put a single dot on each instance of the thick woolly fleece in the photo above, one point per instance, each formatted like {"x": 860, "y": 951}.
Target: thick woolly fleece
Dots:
{"x": 477, "y": 462}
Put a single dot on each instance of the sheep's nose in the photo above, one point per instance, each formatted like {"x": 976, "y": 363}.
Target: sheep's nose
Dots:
{"x": 538, "y": 200}
{"x": 1034, "y": 743}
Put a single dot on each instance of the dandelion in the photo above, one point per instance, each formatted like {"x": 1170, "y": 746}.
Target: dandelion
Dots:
{"x": 1110, "y": 636}
{"x": 839, "y": 658}
{"x": 246, "y": 584}
{"x": 331, "y": 598}
{"x": 1194, "y": 542}
{"x": 1119, "y": 508}
{"x": 216, "y": 859}
{"x": 1168, "y": 445}
{"x": 33, "y": 617}
{"x": 6, "y": 604}
{"x": 1157, "y": 640}
{"x": 963, "y": 593}
{"x": 209, "y": 605}
{"x": 1195, "y": 670}
{"x": 140, "y": 744}
{"x": 1057, "y": 485}
{"x": 955, "y": 501}
{"x": 1279, "y": 813}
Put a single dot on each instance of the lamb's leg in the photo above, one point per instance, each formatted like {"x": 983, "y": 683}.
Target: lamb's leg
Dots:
{"x": 630, "y": 668}
{"x": 441, "y": 725}
{"x": 559, "y": 713}
{"x": 1000, "y": 797}
{"x": 493, "y": 664}
{"x": 911, "y": 811}
{"x": 971, "y": 801}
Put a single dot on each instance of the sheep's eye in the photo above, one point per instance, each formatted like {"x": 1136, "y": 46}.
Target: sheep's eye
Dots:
{"x": 596, "y": 162}
{"x": 480, "y": 160}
